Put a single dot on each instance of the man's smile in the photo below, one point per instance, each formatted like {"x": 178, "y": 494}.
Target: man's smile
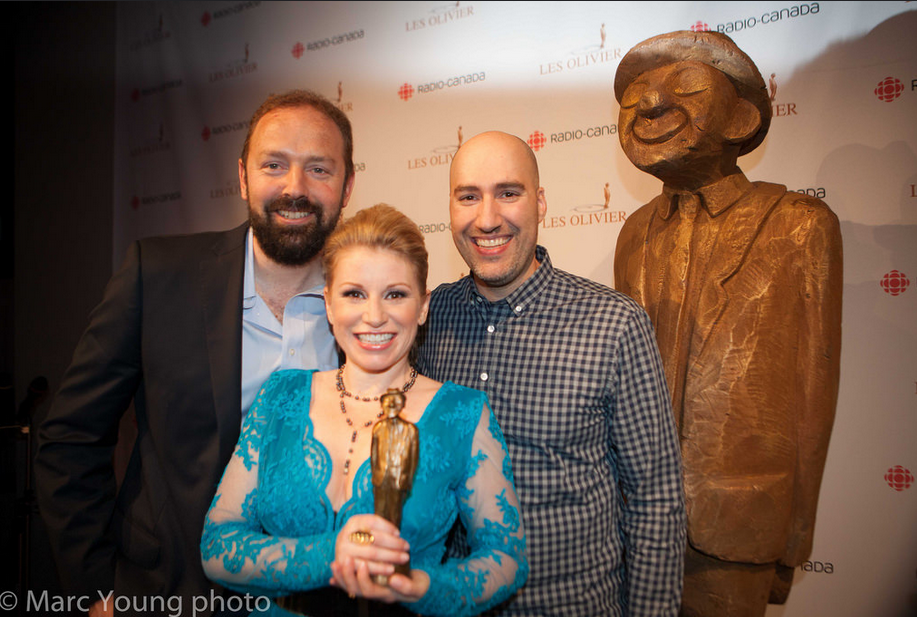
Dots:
{"x": 660, "y": 128}
{"x": 489, "y": 243}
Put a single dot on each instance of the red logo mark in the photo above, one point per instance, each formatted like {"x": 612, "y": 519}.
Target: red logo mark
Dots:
{"x": 205, "y": 19}
{"x": 205, "y": 134}
{"x": 895, "y": 283}
{"x": 899, "y": 478}
{"x": 297, "y": 50}
{"x": 537, "y": 141}
{"x": 889, "y": 89}
{"x": 135, "y": 202}
{"x": 700, "y": 26}
{"x": 406, "y": 91}
{"x": 135, "y": 94}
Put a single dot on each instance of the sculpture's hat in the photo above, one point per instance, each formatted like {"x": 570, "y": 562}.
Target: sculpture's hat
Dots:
{"x": 712, "y": 48}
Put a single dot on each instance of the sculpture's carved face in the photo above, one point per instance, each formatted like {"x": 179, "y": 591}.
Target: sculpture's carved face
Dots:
{"x": 684, "y": 122}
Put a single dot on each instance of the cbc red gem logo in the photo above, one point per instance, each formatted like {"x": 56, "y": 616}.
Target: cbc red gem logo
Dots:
{"x": 889, "y": 89}
{"x": 297, "y": 50}
{"x": 205, "y": 19}
{"x": 205, "y": 134}
{"x": 899, "y": 478}
{"x": 406, "y": 91}
{"x": 895, "y": 283}
{"x": 700, "y": 26}
{"x": 537, "y": 141}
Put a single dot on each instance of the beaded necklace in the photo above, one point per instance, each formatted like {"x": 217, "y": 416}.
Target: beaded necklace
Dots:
{"x": 339, "y": 383}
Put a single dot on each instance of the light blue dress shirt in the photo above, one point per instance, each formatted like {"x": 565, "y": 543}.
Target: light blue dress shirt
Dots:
{"x": 302, "y": 341}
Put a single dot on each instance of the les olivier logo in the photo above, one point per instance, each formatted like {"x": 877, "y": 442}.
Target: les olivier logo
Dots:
{"x": 590, "y": 55}
{"x": 152, "y": 145}
{"x": 340, "y": 103}
{"x": 596, "y": 213}
{"x": 441, "y": 155}
{"x": 234, "y": 68}
{"x": 779, "y": 109}
{"x": 151, "y": 37}
{"x": 440, "y": 15}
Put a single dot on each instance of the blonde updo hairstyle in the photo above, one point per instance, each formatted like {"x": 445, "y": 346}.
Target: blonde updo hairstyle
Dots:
{"x": 379, "y": 227}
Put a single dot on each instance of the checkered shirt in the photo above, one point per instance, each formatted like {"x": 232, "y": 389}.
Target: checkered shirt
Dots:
{"x": 573, "y": 373}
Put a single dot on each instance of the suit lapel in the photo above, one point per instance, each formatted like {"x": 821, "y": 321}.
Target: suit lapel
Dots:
{"x": 221, "y": 284}
{"x": 732, "y": 246}
{"x": 639, "y": 281}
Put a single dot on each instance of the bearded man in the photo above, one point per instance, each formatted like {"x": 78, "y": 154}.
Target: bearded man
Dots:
{"x": 188, "y": 330}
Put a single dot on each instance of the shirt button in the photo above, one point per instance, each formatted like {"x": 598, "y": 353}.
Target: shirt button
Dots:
{"x": 484, "y": 376}
{"x": 518, "y": 308}
{"x": 490, "y": 328}
{"x": 292, "y": 352}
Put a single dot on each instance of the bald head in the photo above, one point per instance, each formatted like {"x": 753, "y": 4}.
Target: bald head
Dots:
{"x": 495, "y": 206}
{"x": 496, "y": 144}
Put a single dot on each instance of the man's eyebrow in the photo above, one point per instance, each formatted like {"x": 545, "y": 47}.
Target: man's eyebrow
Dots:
{"x": 283, "y": 154}
{"x": 500, "y": 186}
{"x": 465, "y": 188}
{"x": 510, "y": 185}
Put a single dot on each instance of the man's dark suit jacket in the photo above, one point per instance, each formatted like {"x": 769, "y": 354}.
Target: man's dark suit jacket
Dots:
{"x": 167, "y": 336}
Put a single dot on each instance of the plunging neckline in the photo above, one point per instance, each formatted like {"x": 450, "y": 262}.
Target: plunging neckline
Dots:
{"x": 326, "y": 464}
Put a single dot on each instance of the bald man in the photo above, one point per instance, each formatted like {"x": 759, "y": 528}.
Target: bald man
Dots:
{"x": 572, "y": 370}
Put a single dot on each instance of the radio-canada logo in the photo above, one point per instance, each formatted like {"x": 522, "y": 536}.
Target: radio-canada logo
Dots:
{"x": 536, "y": 141}
{"x": 405, "y": 91}
{"x": 889, "y": 89}
{"x": 899, "y": 478}
{"x": 895, "y": 283}
{"x": 700, "y": 26}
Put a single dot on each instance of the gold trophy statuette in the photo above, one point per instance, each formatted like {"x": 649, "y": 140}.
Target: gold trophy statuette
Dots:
{"x": 395, "y": 451}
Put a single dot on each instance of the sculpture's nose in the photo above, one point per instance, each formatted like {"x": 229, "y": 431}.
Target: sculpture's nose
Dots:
{"x": 652, "y": 102}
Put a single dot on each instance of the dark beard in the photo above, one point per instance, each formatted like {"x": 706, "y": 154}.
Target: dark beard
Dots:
{"x": 291, "y": 246}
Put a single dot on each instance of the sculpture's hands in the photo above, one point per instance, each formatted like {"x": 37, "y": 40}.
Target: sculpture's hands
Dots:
{"x": 354, "y": 577}
{"x": 369, "y": 540}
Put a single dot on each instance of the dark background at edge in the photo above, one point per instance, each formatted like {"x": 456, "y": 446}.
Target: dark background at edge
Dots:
{"x": 56, "y": 236}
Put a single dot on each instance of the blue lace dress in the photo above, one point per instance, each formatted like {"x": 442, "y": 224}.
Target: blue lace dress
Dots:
{"x": 271, "y": 529}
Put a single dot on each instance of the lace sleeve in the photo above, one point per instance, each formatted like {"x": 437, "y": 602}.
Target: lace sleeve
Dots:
{"x": 235, "y": 550}
{"x": 489, "y": 510}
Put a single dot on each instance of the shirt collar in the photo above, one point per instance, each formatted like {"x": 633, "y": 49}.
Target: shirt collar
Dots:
{"x": 248, "y": 277}
{"x": 716, "y": 198}
{"x": 526, "y": 294}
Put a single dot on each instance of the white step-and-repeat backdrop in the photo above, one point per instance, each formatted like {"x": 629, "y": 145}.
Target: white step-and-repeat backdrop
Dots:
{"x": 416, "y": 78}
